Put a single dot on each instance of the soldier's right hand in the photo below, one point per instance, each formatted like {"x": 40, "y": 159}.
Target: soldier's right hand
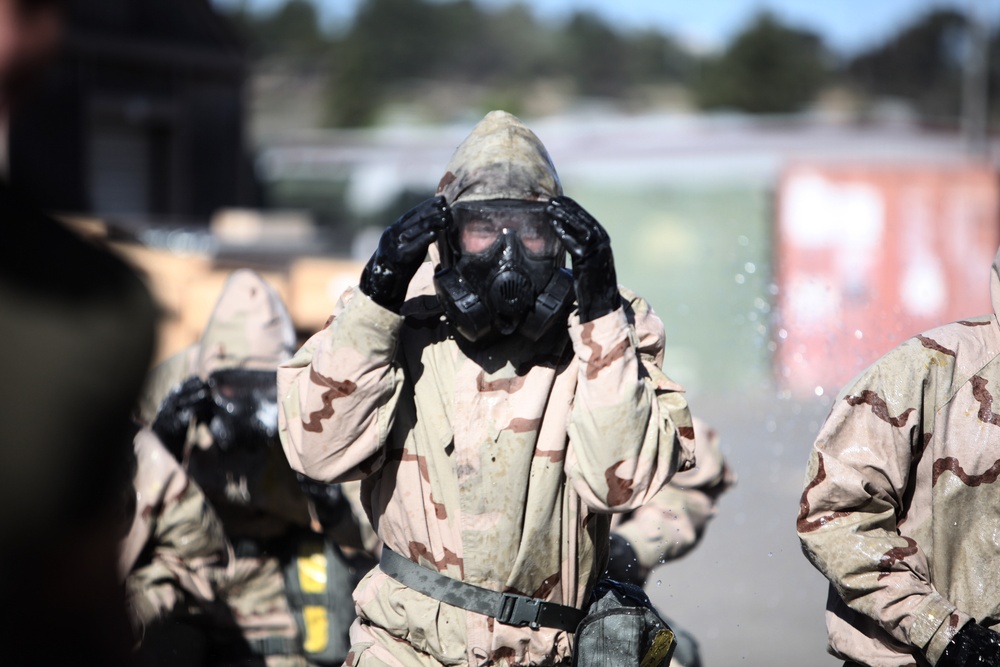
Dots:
{"x": 401, "y": 250}
{"x": 185, "y": 402}
{"x": 972, "y": 645}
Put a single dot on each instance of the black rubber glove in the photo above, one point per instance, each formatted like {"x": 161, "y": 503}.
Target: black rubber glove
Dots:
{"x": 593, "y": 264}
{"x": 623, "y": 564}
{"x": 189, "y": 400}
{"x": 973, "y": 646}
{"x": 401, "y": 250}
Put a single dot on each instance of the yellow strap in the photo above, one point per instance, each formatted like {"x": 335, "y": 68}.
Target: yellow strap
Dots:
{"x": 317, "y": 629}
{"x": 659, "y": 649}
{"x": 312, "y": 567}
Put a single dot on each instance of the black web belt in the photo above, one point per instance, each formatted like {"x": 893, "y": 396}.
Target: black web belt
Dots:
{"x": 506, "y": 608}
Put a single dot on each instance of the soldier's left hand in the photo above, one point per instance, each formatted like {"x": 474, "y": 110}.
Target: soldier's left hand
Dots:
{"x": 593, "y": 263}
{"x": 972, "y": 645}
{"x": 185, "y": 402}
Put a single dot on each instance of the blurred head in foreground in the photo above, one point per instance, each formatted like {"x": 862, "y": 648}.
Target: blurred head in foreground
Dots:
{"x": 30, "y": 34}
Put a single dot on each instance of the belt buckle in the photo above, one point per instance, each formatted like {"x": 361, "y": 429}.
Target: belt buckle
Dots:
{"x": 518, "y": 610}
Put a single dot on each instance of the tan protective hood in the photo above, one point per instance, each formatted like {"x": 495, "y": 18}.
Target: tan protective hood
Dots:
{"x": 249, "y": 327}
{"x": 500, "y": 159}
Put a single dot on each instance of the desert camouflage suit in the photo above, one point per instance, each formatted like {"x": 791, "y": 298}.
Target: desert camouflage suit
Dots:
{"x": 673, "y": 522}
{"x": 255, "y": 494}
{"x": 497, "y": 465}
{"x": 900, "y": 505}
{"x": 175, "y": 541}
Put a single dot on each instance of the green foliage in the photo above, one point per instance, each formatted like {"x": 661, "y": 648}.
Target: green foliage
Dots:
{"x": 768, "y": 68}
{"x": 292, "y": 31}
{"x": 393, "y": 49}
{"x": 922, "y": 64}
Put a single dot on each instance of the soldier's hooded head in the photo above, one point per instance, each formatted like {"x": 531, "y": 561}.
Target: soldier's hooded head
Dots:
{"x": 248, "y": 335}
{"x": 223, "y": 418}
{"x": 227, "y": 383}
{"x": 502, "y": 265}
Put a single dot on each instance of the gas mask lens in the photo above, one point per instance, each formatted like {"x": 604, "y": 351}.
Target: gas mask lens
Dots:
{"x": 245, "y": 406}
{"x": 481, "y": 225}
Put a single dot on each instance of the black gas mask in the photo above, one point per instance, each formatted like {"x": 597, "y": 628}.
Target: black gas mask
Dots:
{"x": 502, "y": 270}
{"x": 244, "y": 408}
{"x": 239, "y": 406}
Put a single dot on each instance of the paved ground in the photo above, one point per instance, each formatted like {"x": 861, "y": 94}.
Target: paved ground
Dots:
{"x": 747, "y": 593}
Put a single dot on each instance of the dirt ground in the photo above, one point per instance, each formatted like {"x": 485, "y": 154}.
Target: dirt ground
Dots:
{"x": 747, "y": 593}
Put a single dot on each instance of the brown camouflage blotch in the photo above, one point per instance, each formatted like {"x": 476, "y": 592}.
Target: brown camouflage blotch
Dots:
{"x": 932, "y": 344}
{"x": 506, "y": 385}
{"x": 440, "y": 511}
{"x": 335, "y": 389}
{"x": 553, "y": 455}
{"x": 547, "y": 586}
{"x": 985, "y": 399}
{"x": 896, "y": 554}
{"x": 951, "y": 464}
{"x": 966, "y": 323}
{"x": 687, "y": 432}
{"x": 445, "y": 181}
{"x": 421, "y": 462}
{"x": 418, "y": 551}
{"x": 329, "y": 321}
{"x": 502, "y": 653}
{"x": 619, "y": 489}
{"x": 599, "y": 360}
{"x": 349, "y": 660}
{"x": 802, "y": 523}
{"x": 522, "y": 425}
{"x": 879, "y": 407}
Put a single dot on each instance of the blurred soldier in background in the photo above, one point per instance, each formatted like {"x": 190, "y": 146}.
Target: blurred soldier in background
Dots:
{"x": 495, "y": 432}
{"x": 175, "y": 542}
{"x": 288, "y": 585}
{"x": 76, "y": 336}
{"x": 672, "y": 524}
{"x": 900, "y": 504}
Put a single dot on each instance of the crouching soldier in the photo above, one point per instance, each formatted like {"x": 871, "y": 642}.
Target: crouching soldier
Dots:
{"x": 671, "y": 525}
{"x": 497, "y": 408}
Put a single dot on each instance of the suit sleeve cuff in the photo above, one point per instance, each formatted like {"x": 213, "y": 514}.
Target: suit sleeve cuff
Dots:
{"x": 934, "y": 625}
{"x": 593, "y": 340}
{"x": 376, "y": 326}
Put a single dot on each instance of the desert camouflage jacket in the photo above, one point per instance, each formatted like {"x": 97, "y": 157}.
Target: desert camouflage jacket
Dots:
{"x": 672, "y": 523}
{"x": 900, "y": 504}
{"x": 175, "y": 541}
{"x": 497, "y": 465}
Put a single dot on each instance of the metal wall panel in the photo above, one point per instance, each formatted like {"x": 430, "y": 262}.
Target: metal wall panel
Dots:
{"x": 868, "y": 256}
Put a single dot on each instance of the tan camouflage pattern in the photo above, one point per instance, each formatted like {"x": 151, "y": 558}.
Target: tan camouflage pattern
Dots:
{"x": 900, "y": 503}
{"x": 181, "y": 532}
{"x": 673, "y": 522}
{"x": 497, "y": 465}
{"x": 500, "y": 159}
{"x": 255, "y": 494}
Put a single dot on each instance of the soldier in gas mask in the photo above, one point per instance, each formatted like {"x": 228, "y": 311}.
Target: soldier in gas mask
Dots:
{"x": 286, "y": 591}
{"x": 497, "y": 408}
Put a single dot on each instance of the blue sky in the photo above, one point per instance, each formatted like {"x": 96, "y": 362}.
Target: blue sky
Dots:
{"x": 847, "y": 25}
